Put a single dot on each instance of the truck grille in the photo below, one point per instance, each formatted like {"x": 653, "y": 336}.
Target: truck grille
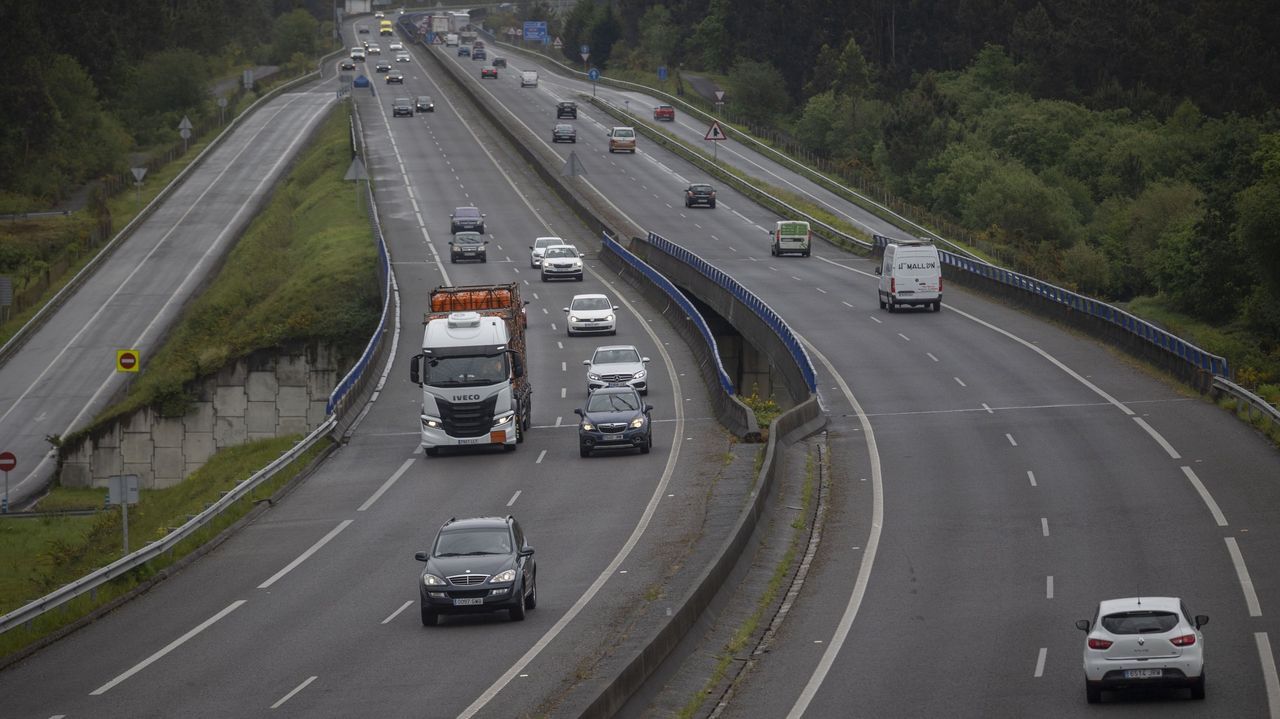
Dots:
{"x": 467, "y": 419}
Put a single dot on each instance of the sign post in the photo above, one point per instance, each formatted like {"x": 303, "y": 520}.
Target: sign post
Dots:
{"x": 184, "y": 129}
{"x": 7, "y": 462}
{"x": 715, "y": 135}
{"x": 585, "y": 52}
{"x": 138, "y": 174}
{"x": 594, "y": 75}
{"x": 122, "y": 489}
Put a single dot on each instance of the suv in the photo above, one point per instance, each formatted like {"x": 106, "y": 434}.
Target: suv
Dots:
{"x": 464, "y": 51}
{"x": 561, "y": 261}
{"x": 479, "y": 54}
{"x": 468, "y": 246}
{"x": 483, "y": 564}
{"x": 424, "y": 104}
{"x": 622, "y": 139}
{"x": 1143, "y": 642}
{"x": 617, "y": 365}
{"x": 614, "y": 418}
{"x": 540, "y": 246}
{"x": 567, "y": 108}
{"x": 591, "y": 313}
{"x": 564, "y": 132}
{"x": 664, "y": 112}
{"x": 499, "y": 62}
{"x": 401, "y": 106}
{"x": 700, "y": 193}
{"x": 466, "y": 218}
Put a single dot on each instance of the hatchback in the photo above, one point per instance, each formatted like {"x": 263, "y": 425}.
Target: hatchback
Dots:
{"x": 591, "y": 314}
{"x": 700, "y": 193}
{"x": 1143, "y": 642}
{"x": 664, "y": 112}
{"x": 540, "y": 246}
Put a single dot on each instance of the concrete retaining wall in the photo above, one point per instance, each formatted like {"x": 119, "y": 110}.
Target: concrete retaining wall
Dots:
{"x": 269, "y": 394}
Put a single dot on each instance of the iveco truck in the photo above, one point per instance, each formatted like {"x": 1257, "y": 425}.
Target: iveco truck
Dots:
{"x": 472, "y": 370}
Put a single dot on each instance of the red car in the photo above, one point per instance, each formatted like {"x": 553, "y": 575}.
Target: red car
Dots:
{"x": 489, "y": 72}
{"x": 664, "y": 112}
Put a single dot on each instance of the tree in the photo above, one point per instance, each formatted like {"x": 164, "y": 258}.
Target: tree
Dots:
{"x": 757, "y": 91}
{"x": 659, "y": 36}
{"x": 294, "y": 32}
{"x": 1258, "y": 216}
{"x": 605, "y": 30}
{"x": 712, "y": 43}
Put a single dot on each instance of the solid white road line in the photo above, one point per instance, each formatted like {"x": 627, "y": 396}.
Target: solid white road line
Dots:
{"x": 1269, "y": 673}
{"x": 1242, "y": 573}
{"x": 305, "y": 555}
{"x": 1156, "y": 436}
{"x": 396, "y": 613}
{"x": 386, "y": 485}
{"x": 514, "y": 497}
{"x": 1040, "y": 662}
{"x": 1208, "y": 498}
{"x": 168, "y": 648}
{"x": 296, "y": 689}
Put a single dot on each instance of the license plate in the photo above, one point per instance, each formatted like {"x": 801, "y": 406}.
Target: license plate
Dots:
{"x": 469, "y": 440}
{"x": 468, "y": 602}
{"x": 1143, "y": 673}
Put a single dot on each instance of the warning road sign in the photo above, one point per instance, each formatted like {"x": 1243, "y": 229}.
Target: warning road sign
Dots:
{"x": 714, "y": 133}
{"x": 127, "y": 360}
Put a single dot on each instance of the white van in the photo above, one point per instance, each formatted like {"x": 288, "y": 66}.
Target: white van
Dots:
{"x": 451, "y": 40}
{"x": 357, "y": 54}
{"x": 790, "y": 236}
{"x": 528, "y": 78}
{"x": 910, "y": 274}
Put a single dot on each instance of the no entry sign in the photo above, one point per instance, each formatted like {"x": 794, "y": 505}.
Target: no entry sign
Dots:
{"x": 8, "y": 461}
{"x": 127, "y": 360}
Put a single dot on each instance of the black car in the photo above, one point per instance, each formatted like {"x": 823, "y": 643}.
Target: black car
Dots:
{"x": 468, "y": 246}
{"x": 564, "y": 133}
{"x": 484, "y": 564}
{"x": 424, "y": 104}
{"x": 395, "y": 76}
{"x": 382, "y": 66}
{"x": 700, "y": 193}
{"x": 567, "y": 108}
{"x": 401, "y": 106}
{"x": 499, "y": 62}
{"x": 615, "y": 418}
{"x": 466, "y": 218}
{"x": 347, "y": 64}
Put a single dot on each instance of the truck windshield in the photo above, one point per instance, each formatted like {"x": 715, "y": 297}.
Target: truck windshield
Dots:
{"x": 470, "y": 371}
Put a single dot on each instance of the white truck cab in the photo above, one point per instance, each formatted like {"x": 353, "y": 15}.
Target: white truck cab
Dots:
{"x": 910, "y": 274}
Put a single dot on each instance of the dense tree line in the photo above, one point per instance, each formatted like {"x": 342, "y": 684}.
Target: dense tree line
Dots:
{"x": 88, "y": 82}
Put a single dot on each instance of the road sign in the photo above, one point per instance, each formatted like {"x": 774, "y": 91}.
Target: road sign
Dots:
{"x": 122, "y": 487}
{"x": 535, "y": 30}
{"x": 585, "y": 50}
{"x": 719, "y": 95}
{"x": 573, "y": 166}
{"x": 584, "y": 56}
{"x": 128, "y": 360}
{"x": 557, "y": 44}
{"x": 8, "y": 462}
{"x": 593, "y": 74}
{"x": 185, "y": 124}
{"x": 662, "y": 73}
{"x": 714, "y": 133}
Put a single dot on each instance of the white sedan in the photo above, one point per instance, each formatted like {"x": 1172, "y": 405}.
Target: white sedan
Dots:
{"x": 540, "y": 246}
{"x": 1143, "y": 642}
{"x": 591, "y": 314}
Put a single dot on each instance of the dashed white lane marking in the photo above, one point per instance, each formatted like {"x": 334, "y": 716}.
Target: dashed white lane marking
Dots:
{"x": 988, "y": 408}
{"x": 1269, "y": 673}
{"x": 559, "y": 344}
{"x": 1044, "y": 526}
{"x": 1012, "y": 441}
{"x": 305, "y": 555}
{"x": 386, "y": 485}
{"x": 558, "y": 420}
{"x": 515, "y": 496}
{"x": 564, "y": 367}
{"x": 541, "y": 454}
{"x": 168, "y": 648}
{"x": 1031, "y": 477}
{"x": 820, "y": 290}
{"x": 876, "y": 320}
{"x": 1208, "y": 498}
{"x": 1242, "y": 573}
{"x": 1040, "y": 662}
{"x": 1048, "y": 587}
{"x": 797, "y": 279}
{"x": 846, "y": 304}
{"x": 931, "y": 356}
{"x": 908, "y": 339}
{"x": 296, "y": 689}
{"x": 1156, "y": 436}
{"x": 962, "y": 384}
{"x": 391, "y": 617}
{"x": 563, "y": 390}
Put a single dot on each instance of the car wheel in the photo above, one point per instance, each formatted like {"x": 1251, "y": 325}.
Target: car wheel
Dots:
{"x": 569, "y": 332}
{"x": 544, "y": 277}
{"x": 893, "y": 306}
{"x": 882, "y": 303}
{"x": 580, "y": 278}
{"x": 453, "y": 260}
{"x": 517, "y": 612}
{"x": 614, "y": 331}
{"x": 484, "y": 260}
{"x": 584, "y": 452}
{"x": 1092, "y": 694}
{"x": 937, "y": 306}
{"x": 773, "y": 250}
{"x": 429, "y": 618}
{"x": 532, "y": 603}
{"x": 1197, "y": 689}
{"x": 713, "y": 204}
{"x": 644, "y": 448}
{"x": 431, "y": 451}
{"x": 509, "y": 447}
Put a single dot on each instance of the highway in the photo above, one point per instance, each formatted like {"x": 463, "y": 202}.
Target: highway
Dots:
{"x": 995, "y": 476}
{"x": 310, "y": 610}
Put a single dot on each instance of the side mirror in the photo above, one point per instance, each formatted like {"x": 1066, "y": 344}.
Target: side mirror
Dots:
{"x": 586, "y": 362}
{"x": 644, "y": 360}
{"x": 420, "y": 556}
{"x": 877, "y": 269}
{"x": 615, "y": 308}
{"x": 450, "y": 243}
{"x": 415, "y": 374}
{"x": 531, "y": 247}
{"x": 648, "y": 408}
{"x": 578, "y": 412}
{"x": 566, "y": 309}
{"x": 1201, "y": 620}
{"x": 517, "y": 365}
{"x": 526, "y": 552}
{"x": 1082, "y": 625}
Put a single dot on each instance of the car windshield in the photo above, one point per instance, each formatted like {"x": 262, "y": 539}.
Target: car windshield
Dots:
{"x": 543, "y": 243}
{"x": 617, "y": 356}
{"x": 590, "y": 303}
{"x": 601, "y": 402}
{"x": 1140, "y": 622}
{"x": 471, "y": 371}
{"x": 700, "y": 188}
{"x": 467, "y": 238}
{"x": 561, "y": 252}
{"x": 564, "y": 128}
{"x": 424, "y": 100}
{"x": 473, "y": 540}
{"x": 622, "y": 133}
{"x": 466, "y": 212}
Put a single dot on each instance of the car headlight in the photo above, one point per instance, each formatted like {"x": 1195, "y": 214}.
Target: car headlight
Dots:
{"x": 430, "y": 422}
{"x": 432, "y": 580}
{"x": 502, "y": 419}
{"x": 507, "y": 576}
{"x": 588, "y": 426}
{"x": 637, "y": 423}
{"x": 573, "y": 318}
{"x": 608, "y": 318}
{"x": 593, "y": 376}
{"x": 641, "y": 374}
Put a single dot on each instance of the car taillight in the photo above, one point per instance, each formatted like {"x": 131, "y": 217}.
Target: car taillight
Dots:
{"x": 893, "y": 285}
{"x": 1185, "y": 640}
{"x": 939, "y": 284}
{"x": 1100, "y": 643}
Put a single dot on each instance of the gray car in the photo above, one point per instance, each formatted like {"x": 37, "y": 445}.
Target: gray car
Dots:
{"x": 615, "y": 366}
{"x": 564, "y": 132}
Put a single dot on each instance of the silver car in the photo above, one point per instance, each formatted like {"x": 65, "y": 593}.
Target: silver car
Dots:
{"x": 540, "y": 246}
{"x": 617, "y": 365}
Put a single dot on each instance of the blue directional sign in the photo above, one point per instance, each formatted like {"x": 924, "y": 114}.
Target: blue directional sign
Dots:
{"x": 585, "y": 50}
{"x": 535, "y": 30}
{"x": 593, "y": 74}
{"x": 662, "y": 73}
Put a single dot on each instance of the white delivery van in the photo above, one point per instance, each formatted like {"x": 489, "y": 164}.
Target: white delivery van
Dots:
{"x": 528, "y": 78}
{"x": 910, "y": 274}
{"x": 451, "y": 40}
{"x": 790, "y": 237}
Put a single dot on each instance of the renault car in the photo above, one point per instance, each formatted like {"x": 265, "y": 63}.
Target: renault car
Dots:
{"x": 1143, "y": 642}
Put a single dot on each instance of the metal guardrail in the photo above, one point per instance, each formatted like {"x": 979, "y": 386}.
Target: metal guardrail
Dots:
{"x": 160, "y": 546}
{"x": 679, "y": 298}
{"x": 1247, "y": 400}
{"x": 746, "y": 297}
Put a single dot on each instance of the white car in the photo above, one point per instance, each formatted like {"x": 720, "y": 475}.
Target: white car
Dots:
{"x": 539, "y": 246}
{"x": 375, "y": 50}
{"x": 560, "y": 262}
{"x": 1143, "y": 642}
{"x": 395, "y": 46}
{"x": 402, "y": 57}
{"x": 616, "y": 365}
{"x": 591, "y": 313}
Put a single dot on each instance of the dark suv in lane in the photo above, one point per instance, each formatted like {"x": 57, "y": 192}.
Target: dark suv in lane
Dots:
{"x": 614, "y": 418}
{"x": 483, "y": 564}
{"x": 466, "y": 218}
{"x": 567, "y": 108}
